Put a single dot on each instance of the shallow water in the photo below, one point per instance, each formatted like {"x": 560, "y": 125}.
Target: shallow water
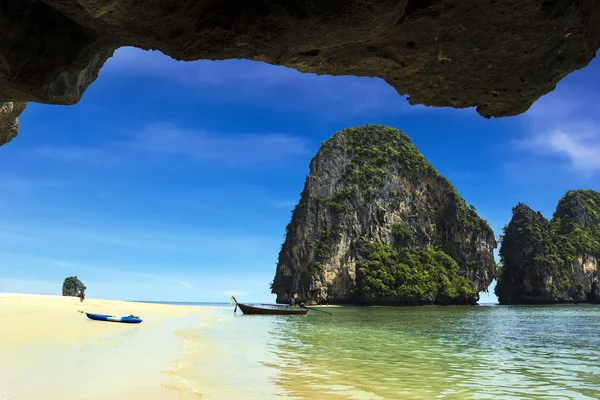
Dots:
{"x": 481, "y": 352}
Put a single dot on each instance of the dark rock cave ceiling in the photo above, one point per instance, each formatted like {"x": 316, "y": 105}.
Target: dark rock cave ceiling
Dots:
{"x": 496, "y": 55}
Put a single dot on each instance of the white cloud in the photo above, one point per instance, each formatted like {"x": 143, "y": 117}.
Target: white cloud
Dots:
{"x": 555, "y": 106}
{"x": 79, "y": 155}
{"x": 236, "y": 149}
{"x": 22, "y": 183}
{"x": 581, "y": 149}
{"x": 563, "y": 125}
{"x": 10, "y": 257}
{"x": 178, "y": 281}
{"x": 135, "y": 238}
{"x": 30, "y": 286}
{"x": 16, "y": 237}
{"x": 14, "y": 183}
{"x": 143, "y": 275}
{"x": 170, "y": 140}
{"x": 41, "y": 263}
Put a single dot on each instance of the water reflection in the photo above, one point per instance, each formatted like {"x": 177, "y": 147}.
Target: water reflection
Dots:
{"x": 485, "y": 352}
{"x": 440, "y": 352}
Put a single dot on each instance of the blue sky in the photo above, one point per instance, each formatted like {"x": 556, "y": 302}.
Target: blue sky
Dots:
{"x": 175, "y": 181}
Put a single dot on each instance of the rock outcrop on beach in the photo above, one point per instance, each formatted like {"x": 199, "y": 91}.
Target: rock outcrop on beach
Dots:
{"x": 498, "y": 56}
{"x": 377, "y": 224}
{"x": 552, "y": 261}
{"x": 72, "y": 286}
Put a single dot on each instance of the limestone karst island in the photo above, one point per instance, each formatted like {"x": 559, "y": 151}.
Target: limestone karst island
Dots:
{"x": 377, "y": 224}
{"x": 552, "y": 261}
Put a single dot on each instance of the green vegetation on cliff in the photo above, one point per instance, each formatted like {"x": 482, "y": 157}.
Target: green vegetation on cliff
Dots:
{"x": 322, "y": 248}
{"x": 576, "y": 224}
{"x": 374, "y": 151}
{"x": 538, "y": 255}
{"x": 388, "y": 274}
{"x": 402, "y": 234}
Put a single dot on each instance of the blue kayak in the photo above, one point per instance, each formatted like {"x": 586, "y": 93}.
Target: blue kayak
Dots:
{"x": 101, "y": 317}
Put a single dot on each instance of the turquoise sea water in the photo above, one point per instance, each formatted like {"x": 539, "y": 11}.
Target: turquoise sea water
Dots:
{"x": 480, "y": 352}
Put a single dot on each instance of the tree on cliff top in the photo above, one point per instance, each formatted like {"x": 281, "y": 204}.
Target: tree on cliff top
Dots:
{"x": 72, "y": 286}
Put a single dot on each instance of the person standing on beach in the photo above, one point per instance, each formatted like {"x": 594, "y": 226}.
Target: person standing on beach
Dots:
{"x": 81, "y": 295}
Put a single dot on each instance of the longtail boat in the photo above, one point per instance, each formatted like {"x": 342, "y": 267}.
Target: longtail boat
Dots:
{"x": 269, "y": 309}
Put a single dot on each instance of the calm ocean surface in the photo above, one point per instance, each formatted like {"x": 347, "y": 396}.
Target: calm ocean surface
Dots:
{"x": 481, "y": 352}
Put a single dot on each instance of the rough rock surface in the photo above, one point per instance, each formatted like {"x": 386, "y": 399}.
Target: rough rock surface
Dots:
{"x": 497, "y": 55}
{"x": 369, "y": 187}
{"x": 72, "y": 286}
{"x": 9, "y": 123}
{"x": 552, "y": 261}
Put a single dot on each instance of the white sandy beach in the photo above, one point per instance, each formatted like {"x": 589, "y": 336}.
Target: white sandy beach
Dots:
{"x": 49, "y": 351}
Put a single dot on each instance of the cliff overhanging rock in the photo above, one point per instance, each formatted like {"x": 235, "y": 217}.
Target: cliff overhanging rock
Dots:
{"x": 499, "y": 56}
{"x": 552, "y": 261}
{"x": 9, "y": 123}
{"x": 377, "y": 224}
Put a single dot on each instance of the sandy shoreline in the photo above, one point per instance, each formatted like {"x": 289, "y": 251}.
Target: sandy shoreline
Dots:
{"x": 51, "y": 351}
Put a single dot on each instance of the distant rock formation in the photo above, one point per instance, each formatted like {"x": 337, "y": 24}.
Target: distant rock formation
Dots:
{"x": 552, "y": 261}
{"x": 377, "y": 224}
{"x": 72, "y": 286}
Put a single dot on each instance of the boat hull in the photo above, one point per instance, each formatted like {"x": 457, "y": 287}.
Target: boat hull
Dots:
{"x": 111, "y": 318}
{"x": 246, "y": 309}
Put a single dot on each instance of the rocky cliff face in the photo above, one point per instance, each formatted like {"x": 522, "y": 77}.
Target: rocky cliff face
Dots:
{"x": 552, "y": 261}
{"x": 499, "y": 56}
{"x": 9, "y": 123}
{"x": 377, "y": 224}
